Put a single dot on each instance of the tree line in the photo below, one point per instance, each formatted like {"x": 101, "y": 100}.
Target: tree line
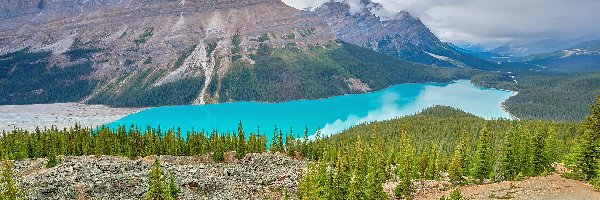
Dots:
{"x": 442, "y": 140}
{"x": 133, "y": 143}
{"x": 437, "y": 144}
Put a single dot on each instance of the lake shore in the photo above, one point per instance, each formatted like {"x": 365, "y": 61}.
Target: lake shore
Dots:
{"x": 61, "y": 115}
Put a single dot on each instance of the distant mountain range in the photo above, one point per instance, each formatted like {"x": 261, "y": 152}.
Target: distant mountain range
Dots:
{"x": 536, "y": 47}
{"x": 582, "y": 57}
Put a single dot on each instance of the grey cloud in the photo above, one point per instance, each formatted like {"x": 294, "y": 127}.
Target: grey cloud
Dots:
{"x": 492, "y": 22}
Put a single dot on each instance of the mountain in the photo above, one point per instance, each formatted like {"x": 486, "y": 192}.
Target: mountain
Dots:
{"x": 583, "y": 57}
{"x": 547, "y": 45}
{"x": 402, "y": 36}
{"x": 479, "y": 53}
{"x": 163, "y": 52}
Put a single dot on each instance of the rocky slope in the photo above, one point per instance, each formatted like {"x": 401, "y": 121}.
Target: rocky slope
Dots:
{"x": 167, "y": 41}
{"x": 402, "y": 35}
{"x": 130, "y": 53}
{"x": 257, "y": 176}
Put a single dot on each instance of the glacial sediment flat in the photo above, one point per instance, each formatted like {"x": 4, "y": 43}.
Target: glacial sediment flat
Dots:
{"x": 61, "y": 115}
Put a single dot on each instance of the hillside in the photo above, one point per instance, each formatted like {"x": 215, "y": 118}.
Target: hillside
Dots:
{"x": 177, "y": 52}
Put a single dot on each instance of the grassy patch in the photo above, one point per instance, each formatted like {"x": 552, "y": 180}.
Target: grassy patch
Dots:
{"x": 144, "y": 37}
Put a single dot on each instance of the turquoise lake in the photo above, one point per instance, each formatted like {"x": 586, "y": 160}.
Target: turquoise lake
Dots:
{"x": 330, "y": 115}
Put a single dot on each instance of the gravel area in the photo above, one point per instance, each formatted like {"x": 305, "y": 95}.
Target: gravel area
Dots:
{"x": 553, "y": 187}
{"x": 256, "y": 176}
{"x": 62, "y": 115}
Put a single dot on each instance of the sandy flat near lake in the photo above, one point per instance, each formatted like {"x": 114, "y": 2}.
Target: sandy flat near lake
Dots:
{"x": 61, "y": 115}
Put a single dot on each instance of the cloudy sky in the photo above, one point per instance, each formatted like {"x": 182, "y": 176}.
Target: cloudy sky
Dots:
{"x": 493, "y": 22}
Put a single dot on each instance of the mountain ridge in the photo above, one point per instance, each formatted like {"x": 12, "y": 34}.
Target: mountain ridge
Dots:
{"x": 402, "y": 36}
{"x": 164, "y": 52}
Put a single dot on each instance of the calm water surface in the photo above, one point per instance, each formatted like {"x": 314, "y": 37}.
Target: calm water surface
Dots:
{"x": 329, "y": 115}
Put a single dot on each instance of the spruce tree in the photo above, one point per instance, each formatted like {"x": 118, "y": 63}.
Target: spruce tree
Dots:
{"x": 158, "y": 187}
{"x": 10, "y": 190}
{"x": 308, "y": 187}
{"x": 52, "y": 159}
{"x": 455, "y": 170}
{"x": 290, "y": 141}
{"x": 509, "y": 165}
{"x": 218, "y": 153}
{"x": 550, "y": 148}
{"x": 240, "y": 149}
{"x": 405, "y": 169}
{"x": 587, "y": 152}
{"x": 484, "y": 164}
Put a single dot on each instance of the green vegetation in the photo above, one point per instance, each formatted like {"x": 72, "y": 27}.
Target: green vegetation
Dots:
{"x": 9, "y": 190}
{"x": 131, "y": 142}
{"x": 123, "y": 35}
{"x": 561, "y": 97}
{"x": 290, "y": 36}
{"x": 140, "y": 91}
{"x": 308, "y": 32}
{"x": 144, "y": 37}
{"x": 52, "y": 160}
{"x": 263, "y": 38}
{"x": 210, "y": 48}
{"x": 456, "y": 194}
{"x": 28, "y": 77}
{"x": 183, "y": 56}
{"x": 148, "y": 61}
{"x": 80, "y": 50}
{"x": 315, "y": 72}
{"x": 585, "y": 159}
{"x": 422, "y": 146}
{"x": 158, "y": 186}
{"x": 356, "y": 163}
{"x": 236, "y": 40}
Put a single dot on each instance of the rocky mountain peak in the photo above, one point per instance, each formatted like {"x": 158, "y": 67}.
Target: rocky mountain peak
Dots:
{"x": 398, "y": 34}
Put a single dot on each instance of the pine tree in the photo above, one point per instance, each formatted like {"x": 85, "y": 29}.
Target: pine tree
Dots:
{"x": 240, "y": 149}
{"x": 550, "y": 148}
{"x": 484, "y": 164}
{"x": 53, "y": 161}
{"x": 455, "y": 170}
{"x": 286, "y": 196}
{"x": 587, "y": 152}
{"x": 456, "y": 194}
{"x": 509, "y": 166}
{"x": 356, "y": 191}
{"x": 289, "y": 144}
{"x": 305, "y": 146}
{"x": 434, "y": 160}
{"x": 10, "y": 190}
{"x": 539, "y": 160}
{"x": 158, "y": 187}
{"x": 174, "y": 189}
{"x": 308, "y": 187}
{"x": 405, "y": 169}
{"x": 218, "y": 153}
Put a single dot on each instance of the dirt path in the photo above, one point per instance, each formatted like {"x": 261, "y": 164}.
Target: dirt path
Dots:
{"x": 552, "y": 187}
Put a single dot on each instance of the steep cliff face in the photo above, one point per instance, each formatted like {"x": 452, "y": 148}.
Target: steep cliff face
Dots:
{"x": 402, "y": 35}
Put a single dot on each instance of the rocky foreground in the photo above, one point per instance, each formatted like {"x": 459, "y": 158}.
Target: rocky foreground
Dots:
{"x": 257, "y": 176}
